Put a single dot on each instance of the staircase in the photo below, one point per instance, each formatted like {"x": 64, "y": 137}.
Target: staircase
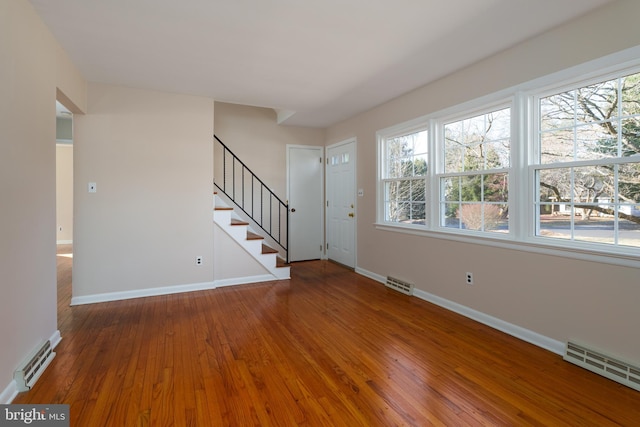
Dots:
{"x": 239, "y": 230}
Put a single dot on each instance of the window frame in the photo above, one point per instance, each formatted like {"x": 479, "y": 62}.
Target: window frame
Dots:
{"x": 440, "y": 167}
{"x": 407, "y": 128}
{"x": 524, "y": 145}
{"x": 535, "y": 163}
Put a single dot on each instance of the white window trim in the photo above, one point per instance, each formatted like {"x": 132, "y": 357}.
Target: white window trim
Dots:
{"x": 522, "y": 220}
{"x": 416, "y": 125}
{"x": 499, "y": 103}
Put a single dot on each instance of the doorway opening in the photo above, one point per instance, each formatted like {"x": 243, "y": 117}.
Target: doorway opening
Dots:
{"x": 64, "y": 206}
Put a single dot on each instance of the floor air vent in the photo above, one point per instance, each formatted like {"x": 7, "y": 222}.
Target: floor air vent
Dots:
{"x": 604, "y": 365}
{"x": 33, "y": 367}
{"x": 399, "y": 285}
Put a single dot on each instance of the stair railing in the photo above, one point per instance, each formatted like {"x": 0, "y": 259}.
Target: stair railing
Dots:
{"x": 252, "y": 196}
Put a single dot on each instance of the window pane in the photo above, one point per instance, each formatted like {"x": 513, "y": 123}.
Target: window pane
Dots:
{"x": 592, "y": 183}
{"x": 596, "y": 141}
{"x": 450, "y": 215}
{"x": 498, "y": 154}
{"x": 498, "y": 125}
{"x": 407, "y": 155}
{"x": 478, "y": 143}
{"x": 594, "y": 227}
{"x": 454, "y": 158}
{"x": 557, "y": 111}
{"x": 557, "y": 224}
{"x": 630, "y": 137}
{"x": 597, "y": 102}
{"x": 471, "y": 216}
{"x": 629, "y": 231}
{"x": 590, "y": 116}
{"x": 397, "y": 211}
{"x": 556, "y": 146}
{"x": 471, "y": 188}
{"x": 629, "y": 183}
{"x": 630, "y": 94}
{"x": 418, "y": 190}
{"x": 420, "y": 165}
{"x": 495, "y": 218}
{"x": 474, "y": 156}
{"x": 397, "y": 190}
{"x": 496, "y": 187}
{"x": 450, "y": 189}
{"x": 418, "y": 213}
{"x": 554, "y": 184}
{"x": 587, "y": 211}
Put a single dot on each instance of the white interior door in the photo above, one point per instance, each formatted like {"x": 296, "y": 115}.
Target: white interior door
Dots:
{"x": 341, "y": 209}
{"x": 304, "y": 177}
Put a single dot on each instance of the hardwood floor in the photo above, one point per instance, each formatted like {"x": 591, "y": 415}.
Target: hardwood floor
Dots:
{"x": 327, "y": 348}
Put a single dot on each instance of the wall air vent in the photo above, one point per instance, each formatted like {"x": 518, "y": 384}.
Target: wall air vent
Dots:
{"x": 399, "y": 285}
{"x": 33, "y": 367}
{"x": 606, "y": 366}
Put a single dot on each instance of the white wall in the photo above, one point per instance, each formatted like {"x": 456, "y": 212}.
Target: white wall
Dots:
{"x": 151, "y": 156}
{"x": 560, "y": 298}
{"x": 254, "y": 135}
{"x": 34, "y": 71}
{"x": 233, "y": 264}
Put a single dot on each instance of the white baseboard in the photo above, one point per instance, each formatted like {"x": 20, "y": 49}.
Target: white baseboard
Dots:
{"x": 64, "y": 242}
{"x": 11, "y": 391}
{"x": 140, "y": 293}
{"x": 243, "y": 280}
{"x": 531, "y": 337}
{"x": 168, "y": 290}
{"x": 55, "y": 339}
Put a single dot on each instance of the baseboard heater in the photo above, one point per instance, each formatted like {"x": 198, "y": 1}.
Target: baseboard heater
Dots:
{"x": 606, "y": 366}
{"x": 33, "y": 367}
{"x": 399, "y": 285}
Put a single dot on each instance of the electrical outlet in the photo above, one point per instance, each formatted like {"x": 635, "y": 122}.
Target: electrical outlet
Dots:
{"x": 198, "y": 260}
{"x": 469, "y": 278}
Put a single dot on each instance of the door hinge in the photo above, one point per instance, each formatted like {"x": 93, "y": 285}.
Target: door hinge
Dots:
{"x": 327, "y": 203}
{"x": 327, "y": 245}
{"x": 320, "y": 159}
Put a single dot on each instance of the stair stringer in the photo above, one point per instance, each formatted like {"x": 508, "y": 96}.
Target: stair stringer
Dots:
{"x": 238, "y": 233}
{"x": 221, "y": 199}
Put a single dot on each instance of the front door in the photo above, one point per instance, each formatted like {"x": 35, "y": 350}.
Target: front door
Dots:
{"x": 305, "y": 202}
{"x": 341, "y": 209}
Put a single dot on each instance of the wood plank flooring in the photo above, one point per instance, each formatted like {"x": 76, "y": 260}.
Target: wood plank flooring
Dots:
{"x": 327, "y": 348}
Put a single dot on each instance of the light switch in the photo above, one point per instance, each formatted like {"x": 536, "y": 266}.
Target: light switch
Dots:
{"x": 92, "y": 187}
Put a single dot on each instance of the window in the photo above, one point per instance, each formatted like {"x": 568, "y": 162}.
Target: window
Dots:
{"x": 404, "y": 173}
{"x": 474, "y": 185}
{"x": 526, "y": 168}
{"x": 587, "y": 166}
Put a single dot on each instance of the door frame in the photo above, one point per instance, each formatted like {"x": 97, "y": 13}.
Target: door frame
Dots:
{"x": 353, "y": 140}
{"x": 321, "y": 149}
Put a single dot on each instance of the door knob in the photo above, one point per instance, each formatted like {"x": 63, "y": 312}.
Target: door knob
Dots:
{"x": 351, "y": 214}
{"x": 293, "y": 209}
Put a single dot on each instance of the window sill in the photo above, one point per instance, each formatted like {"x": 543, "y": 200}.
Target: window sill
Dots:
{"x": 537, "y": 245}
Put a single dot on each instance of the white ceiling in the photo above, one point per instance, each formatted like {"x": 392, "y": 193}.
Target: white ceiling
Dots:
{"x": 325, "y": 60}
